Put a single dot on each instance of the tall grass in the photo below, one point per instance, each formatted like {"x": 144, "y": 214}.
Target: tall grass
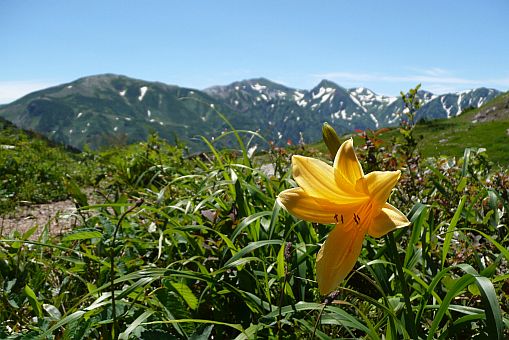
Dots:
{"x": 196, "y": 246}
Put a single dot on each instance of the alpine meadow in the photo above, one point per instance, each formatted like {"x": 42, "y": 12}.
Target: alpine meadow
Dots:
{"x": 398, "y": 230}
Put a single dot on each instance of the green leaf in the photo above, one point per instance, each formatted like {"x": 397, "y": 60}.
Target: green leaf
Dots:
{"x": 280, "y": 269}
{"x": 473, "y": 289}
{"x": 66, "y": 320}
{"x": 82, "y": 235}
{"x": 250, "y": 247}
{"x": 74, "y": 191}
{"x": 29, "y": 232}
{"x": 493, "y": 312}
{"x": 500, "y": 247}
{"x": 418, "y": 221}
{"x": 493, "y": 204}
{"x": 462, "y": 184}
{"x": 139, "y": 320}
{"x": 240, "y": 200}
{"x": 186, "y": 293}
{"x": 299, "y": 306}
{"x": 203, "y": 334}
{"x": 53, "y": 311}
{"x": 339, "y": 316}
{"x": 489, "y": 297}
{"x": 466, "y": 161}
{"x": 450, "y": 229}
{"x": 247, "y": 221}
{"x": 274, "y": 218}
{"x": 250, "y": 332}
{"x": 32, "y": 298}
{"x": 201, "y": 321}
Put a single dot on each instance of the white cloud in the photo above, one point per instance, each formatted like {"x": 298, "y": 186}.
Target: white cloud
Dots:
{"x": 12, "y": 90}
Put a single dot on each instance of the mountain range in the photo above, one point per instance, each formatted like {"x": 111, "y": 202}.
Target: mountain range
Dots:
{"x": 113, "y": 109}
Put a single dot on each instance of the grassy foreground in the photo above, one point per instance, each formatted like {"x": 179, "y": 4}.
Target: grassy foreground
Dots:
{"x": 195, "y": 247}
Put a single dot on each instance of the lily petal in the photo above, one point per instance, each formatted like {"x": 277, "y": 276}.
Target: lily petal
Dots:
{"x": 379, "y": 185}
{"x": 338, "y": 256}
{"x": 315, "y": 177}
{"x": 389, "y": 219}
{"x": 347, "y": 169}
{"x": 298, "y": 203}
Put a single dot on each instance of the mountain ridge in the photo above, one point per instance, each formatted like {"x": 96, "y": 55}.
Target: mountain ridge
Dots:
{"x": 109, "y": 108}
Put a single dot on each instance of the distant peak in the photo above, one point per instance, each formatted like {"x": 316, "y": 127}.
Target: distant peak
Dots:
{"x": 327, "y": 83}
{"x": 102, "y": 76}
{"x": 258, "y": 80}
{"x": 261, "y": 81}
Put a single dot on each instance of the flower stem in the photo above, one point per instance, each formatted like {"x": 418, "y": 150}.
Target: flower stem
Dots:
{"x": 409, "y": 320}
{"x": 115, "y": 329}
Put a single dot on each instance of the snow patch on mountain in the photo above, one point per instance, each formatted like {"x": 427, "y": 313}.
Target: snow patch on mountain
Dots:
{"x": 459, "y": 104}
{"x": 374, "y": 119}
{"x": 258, "y": 87}
{"x": 323, "y": 91}
{"x": 143, "y": 91}
{"x": 356, "y": 101}
{"x": 444, "y": 106}
{"x": 298, "y": 95}
{"x": 302, "y": 103}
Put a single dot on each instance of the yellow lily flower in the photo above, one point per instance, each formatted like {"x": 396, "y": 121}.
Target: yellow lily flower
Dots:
{"x": 343, "y": 195}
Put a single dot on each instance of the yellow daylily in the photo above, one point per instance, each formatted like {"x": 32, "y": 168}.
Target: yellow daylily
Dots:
{"x": 343, "y": 195}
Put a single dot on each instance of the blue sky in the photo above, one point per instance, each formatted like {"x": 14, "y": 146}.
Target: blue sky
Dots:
{"x": 386, "y": 46}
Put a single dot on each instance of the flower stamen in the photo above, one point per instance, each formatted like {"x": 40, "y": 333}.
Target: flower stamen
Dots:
{"x": 336, "y": 217}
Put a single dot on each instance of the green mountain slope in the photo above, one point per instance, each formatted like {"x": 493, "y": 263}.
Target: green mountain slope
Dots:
{"x": 111, "y": 109}
{"x": 32, "y": 168}
{"x": 485, "y": 127}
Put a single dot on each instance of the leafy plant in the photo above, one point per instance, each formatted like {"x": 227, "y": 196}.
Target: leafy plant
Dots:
{"x": 189, "y": 246}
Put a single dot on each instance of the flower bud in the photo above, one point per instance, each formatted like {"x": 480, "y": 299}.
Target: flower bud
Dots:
{"x": 331, "y": 139}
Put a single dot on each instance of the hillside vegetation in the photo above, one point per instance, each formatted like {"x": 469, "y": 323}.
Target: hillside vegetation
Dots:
{"x": 108, "y": 109}
{"x": 486, "y": 127}
{"x": 34, "y": 169}
{"x": 195, "y": 247}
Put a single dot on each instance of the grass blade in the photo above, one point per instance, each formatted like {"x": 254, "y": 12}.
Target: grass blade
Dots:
{"x": 450, "y": 229}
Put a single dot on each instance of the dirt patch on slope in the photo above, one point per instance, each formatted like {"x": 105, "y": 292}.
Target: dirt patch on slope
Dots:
{"x": 58, "y": 217}
{"x": 498, "y": 111}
